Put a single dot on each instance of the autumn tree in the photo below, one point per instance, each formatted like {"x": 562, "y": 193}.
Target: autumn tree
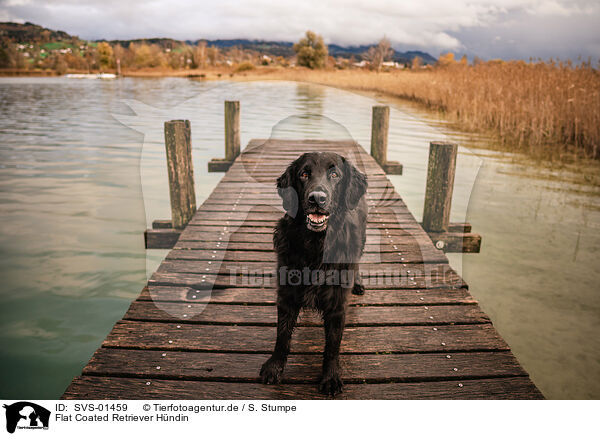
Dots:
{"x": 91, "y": 59}
{"x": 235, "y": 55}
{"x": 446, "y": 60}
{"x": 199, "y": 55}
{"x": 213, "y": 53}
{"x": 58, "y": 63}
{"x": 379, "y": 53}
{"x": 105, "y": 55}
{"x": 120, "y": 55}
{"x": 145, "y": 55}
{"x": 9, "y": 56}
{"x": 416, "y": 63}
{"x": 176, "y": 60}
{"x": 311, "y": 51}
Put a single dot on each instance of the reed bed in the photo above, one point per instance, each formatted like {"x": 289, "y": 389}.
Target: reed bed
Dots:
{"x": 545, "y": 109}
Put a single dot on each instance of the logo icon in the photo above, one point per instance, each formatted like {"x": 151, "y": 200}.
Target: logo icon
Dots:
{"x": 26, "y": 415}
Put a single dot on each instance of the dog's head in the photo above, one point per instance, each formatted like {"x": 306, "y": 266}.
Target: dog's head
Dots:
{"x": 318, "y": 186}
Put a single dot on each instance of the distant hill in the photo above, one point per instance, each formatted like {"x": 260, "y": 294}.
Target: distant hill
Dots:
{"x": 279, "y": 48}
{"x": 272, "y": 48}
{"x": 161, "y": 42}
{"x": 358, "y": 50}
{"x": 32, "y": 33}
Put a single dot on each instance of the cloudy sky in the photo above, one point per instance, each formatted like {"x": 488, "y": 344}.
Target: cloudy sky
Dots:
{"x": 486, "y": 28}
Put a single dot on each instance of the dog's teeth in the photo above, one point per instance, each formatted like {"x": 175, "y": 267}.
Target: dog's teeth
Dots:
{"x": 317, "y": 218}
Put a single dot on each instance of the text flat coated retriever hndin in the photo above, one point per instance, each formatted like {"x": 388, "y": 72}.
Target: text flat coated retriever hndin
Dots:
{"x": 319, "y": 242}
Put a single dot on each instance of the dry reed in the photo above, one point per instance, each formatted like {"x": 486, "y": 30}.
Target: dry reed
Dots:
{"x": 542, "y": 109}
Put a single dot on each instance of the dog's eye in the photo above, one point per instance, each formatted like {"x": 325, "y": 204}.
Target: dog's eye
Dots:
{"x": 334, "y": 175}
{"x": 304, "y": 175}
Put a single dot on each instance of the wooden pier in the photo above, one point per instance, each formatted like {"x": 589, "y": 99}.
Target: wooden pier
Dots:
{"x": 205, "y": 322}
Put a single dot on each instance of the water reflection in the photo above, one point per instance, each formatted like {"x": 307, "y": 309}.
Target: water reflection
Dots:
{"x": 310, "y": 126}
{"x": 310, "y": 100}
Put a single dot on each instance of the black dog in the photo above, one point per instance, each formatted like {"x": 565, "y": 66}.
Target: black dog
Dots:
{"x": 318, "y": 243}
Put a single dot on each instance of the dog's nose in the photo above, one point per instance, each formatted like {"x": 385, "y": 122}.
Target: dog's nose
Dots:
{"x": 317, "y": 197}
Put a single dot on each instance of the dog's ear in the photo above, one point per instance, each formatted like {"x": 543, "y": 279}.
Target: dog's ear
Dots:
{"x": 356, "y": 185}
{"x": 287, "y": 190}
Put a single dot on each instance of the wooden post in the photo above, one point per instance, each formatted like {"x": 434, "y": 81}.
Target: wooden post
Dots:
{"x": 440, "y": 183}
{"x": 380, "y": 125}
{"x": 232, "y": 138}
{"x": 181, "y": 173}
{"x": 232, "y": 130}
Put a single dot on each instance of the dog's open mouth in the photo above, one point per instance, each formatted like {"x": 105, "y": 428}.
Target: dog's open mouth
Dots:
{"x": 317, "y": 221}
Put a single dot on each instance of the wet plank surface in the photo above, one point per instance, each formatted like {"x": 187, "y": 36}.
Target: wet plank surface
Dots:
{"x": 205, "y": 322}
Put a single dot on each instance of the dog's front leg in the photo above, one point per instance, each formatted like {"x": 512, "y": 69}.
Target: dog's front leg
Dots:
{"x": 331, "y": 383}
{"x": 272, "y": 369}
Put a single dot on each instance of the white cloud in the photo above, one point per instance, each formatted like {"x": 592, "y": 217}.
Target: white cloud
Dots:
{"x": 435, "y": 25}
{"x": 557, "y": 8}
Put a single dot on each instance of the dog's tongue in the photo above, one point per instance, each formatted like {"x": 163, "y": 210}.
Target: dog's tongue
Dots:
{"x": 316, "y": 217}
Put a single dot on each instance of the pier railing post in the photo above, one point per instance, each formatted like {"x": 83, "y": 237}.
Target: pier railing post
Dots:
{"x": 232, "y": 130}
{"x": 178, "y": 144}
{"x": 379, "y": 139}
{"x": 380, "y": 125}
{"x": 232, "y": 138}
{"x": 440, "y": 184}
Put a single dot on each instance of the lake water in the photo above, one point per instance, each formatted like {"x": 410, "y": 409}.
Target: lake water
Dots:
{"x": 82, "y": 174}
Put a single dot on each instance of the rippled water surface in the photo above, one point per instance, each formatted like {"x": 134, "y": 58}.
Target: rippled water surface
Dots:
{"x": 82, "y": 172}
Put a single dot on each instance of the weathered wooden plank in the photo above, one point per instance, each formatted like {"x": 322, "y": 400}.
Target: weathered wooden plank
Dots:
{"x": 275, "y": 211}
{"x": 162, "y": 224}
{"x": 267, "y": 315}
{"x": 425, "y": 297}
{"x": 201, "y": 274}
{"x": 91, "y": 387}
{"x": 224, "y": 266}
{"x": 274, "y": 216}
{"x": 258, "y": 277}
{"x": 265, "y": 235}
{"x": 254, "y": 186}
{"x": 302, "y": 368}
{"x": 161, "y": 238}
{"x": 407, "y": 230}
{"x": 227, "y": 227}
{"x": 271, "y": 203}
{"x": 258, "y": 339}
{"x": 410, "y": 254}
{"x": 233, "y": 181}
{"x": 391, "y": 241}
{"x": 249, "y": 223}
{"x": 270, "y": 176}
{"x": 373, "y": 252}
{"x": 455, "y": 242}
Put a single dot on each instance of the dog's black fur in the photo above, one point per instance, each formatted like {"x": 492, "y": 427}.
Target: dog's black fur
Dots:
{"x": 318, "y": 185}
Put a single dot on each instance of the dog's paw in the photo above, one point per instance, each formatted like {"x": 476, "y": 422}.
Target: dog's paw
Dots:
{"x": 331, "y": 384}
{"x": 358, "y": 289}
{"x": 271, "y": 371}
